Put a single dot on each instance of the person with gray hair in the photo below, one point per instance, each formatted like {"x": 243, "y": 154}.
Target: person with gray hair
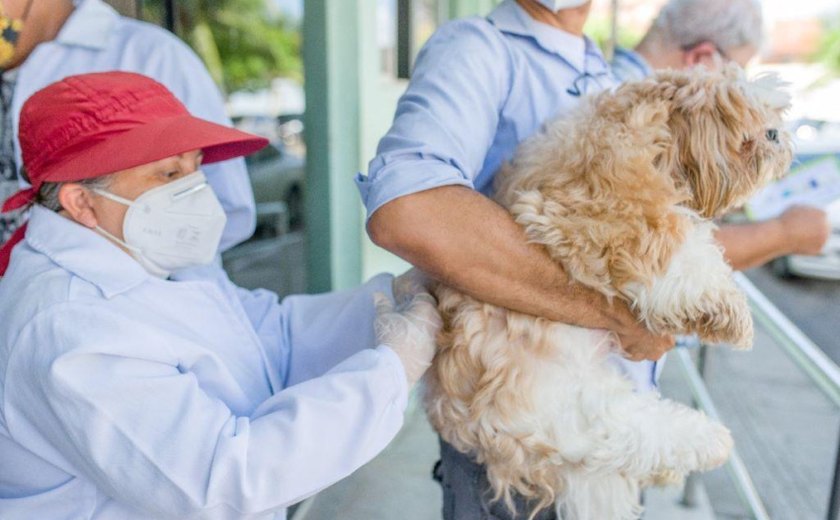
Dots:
{"x": 687, "y": 33}
{"x": 708, "y": 33}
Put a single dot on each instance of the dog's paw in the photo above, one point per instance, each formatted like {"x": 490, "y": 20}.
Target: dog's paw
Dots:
{"x": 728, "y": 320}
{"x": 668, "y": 477}
{"x": 716, "y": 448}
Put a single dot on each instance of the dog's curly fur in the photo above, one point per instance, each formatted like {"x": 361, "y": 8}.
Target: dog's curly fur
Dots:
{"x": 621, "y": 194}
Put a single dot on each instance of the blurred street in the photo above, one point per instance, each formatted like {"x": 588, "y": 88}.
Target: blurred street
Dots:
{"x": 811, "y": 304}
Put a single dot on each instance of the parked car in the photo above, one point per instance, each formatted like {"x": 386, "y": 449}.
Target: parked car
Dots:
{"x": 277, "y": 175}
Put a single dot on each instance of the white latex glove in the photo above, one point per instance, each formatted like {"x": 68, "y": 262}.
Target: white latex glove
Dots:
{"x": 411, "y": 282}
{"x": 409, "y": 330}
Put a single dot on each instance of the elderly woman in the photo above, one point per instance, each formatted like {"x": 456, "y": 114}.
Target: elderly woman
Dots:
{"x": 136, "y": 381}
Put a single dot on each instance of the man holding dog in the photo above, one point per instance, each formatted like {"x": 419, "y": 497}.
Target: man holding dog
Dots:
{"x": 480, "y": 87}
{"x": 688, "y": 33}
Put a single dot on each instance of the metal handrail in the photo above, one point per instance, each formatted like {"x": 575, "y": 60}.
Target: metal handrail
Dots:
{"x": 805, "y": 354}
{"x": 735, "y": 465}
{"x": 808, "y": 356}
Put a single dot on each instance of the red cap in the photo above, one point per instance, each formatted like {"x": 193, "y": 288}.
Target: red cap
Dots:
{"x": 91, "y": 125}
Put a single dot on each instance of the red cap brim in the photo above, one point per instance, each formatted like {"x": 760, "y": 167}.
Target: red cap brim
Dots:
{"x": 155, "y": 141}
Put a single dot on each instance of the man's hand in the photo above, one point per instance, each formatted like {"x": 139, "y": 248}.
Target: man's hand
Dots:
{"x": 637, "y": 341}
{"x": 806, "y": 229}
{"x": 801, "y": 230}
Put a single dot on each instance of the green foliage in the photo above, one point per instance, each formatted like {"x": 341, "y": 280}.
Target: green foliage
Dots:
{"x": 599, "y": 29}
{"x": 829, "y": 53}
{"x": 244, "y": 43}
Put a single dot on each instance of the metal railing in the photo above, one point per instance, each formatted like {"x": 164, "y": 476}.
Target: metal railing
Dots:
{"x": 805, "y": 354}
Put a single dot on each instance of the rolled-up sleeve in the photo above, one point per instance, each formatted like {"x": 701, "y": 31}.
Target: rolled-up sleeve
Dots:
{"x": 118, "y": 401}
{"x": 447, "y": 119}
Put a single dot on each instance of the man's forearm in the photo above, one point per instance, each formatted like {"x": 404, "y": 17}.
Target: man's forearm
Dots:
{"x": 750, "y": 245}
{"x": 466, "y": 240}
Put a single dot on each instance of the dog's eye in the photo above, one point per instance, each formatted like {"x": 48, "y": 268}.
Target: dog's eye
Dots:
{"x": 773, "y": 135}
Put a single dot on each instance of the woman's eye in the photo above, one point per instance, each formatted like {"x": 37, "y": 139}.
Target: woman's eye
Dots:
{"x": 170, "y": 175}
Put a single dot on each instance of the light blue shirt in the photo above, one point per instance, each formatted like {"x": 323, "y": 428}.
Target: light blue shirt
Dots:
{"x": 480, "y": 87}
{"x": 96, "y": 39}
{"x": 629, "y": 65}
{"x": 124, "y": 396}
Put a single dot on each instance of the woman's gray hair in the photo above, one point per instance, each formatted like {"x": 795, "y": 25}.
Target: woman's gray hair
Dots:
{"x": 48, "y": 193}
{"x": 726, "y": 23}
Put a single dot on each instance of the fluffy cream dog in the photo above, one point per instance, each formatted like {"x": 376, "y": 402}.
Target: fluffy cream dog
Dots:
{"x": 622, "y": 195}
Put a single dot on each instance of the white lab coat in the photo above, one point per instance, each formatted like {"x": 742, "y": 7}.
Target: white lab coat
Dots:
{"x": 124, "y": 396}
{"x": 96, "y": 39}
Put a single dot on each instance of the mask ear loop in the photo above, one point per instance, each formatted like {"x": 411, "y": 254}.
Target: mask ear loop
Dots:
{"x": 113, "y": 197}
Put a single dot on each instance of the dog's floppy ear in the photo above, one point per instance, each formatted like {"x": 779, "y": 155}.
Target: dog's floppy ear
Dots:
{"x": 645, "y": 152}
{"x": 709, "y": 112}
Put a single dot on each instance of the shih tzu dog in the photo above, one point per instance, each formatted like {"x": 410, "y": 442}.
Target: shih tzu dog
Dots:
{"x": 622, "y": 195}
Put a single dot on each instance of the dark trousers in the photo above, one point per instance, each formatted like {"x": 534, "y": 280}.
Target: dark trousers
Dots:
{"x": 467, "y": 494}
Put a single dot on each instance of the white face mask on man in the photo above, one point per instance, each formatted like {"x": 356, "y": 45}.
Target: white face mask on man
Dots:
{"x": 172, "y": 227}
{"x": 557, "y": 5}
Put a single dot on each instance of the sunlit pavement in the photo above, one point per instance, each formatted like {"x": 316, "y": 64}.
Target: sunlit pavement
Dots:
{"x": 811, "y": 304}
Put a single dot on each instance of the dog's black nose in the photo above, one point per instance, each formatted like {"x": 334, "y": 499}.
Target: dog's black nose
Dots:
{"x": 773, "y": 135}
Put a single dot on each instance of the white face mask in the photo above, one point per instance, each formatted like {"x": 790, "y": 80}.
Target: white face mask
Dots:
{"x": 173, "y": 226}
{"x": 556, "y": 5}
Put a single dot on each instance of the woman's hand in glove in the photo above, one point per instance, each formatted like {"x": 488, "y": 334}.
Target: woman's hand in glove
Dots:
{"x": 409, "y": 329}
{"x": 411, "y": 282}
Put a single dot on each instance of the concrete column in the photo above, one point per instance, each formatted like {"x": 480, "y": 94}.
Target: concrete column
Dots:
{"x": 331, "y": 50}
{"x": 350, "y": 105}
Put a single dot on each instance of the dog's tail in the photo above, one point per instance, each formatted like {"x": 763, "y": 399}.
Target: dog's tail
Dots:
{"x": 602, "y": 496}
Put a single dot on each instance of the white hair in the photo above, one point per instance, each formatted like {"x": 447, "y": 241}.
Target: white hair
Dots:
{"x": 726, "y": 23}
{"x": 48, "y": 194}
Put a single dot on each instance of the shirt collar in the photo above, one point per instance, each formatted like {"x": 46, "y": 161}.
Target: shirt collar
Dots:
{"x": 90, "y": 25}
{"x": 83, "y": 252}
{"x": 581, "y": 53}
{"x": 634, "y": 59}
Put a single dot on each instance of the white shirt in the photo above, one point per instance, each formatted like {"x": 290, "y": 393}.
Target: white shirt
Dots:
{"x": 124, "y": 396}
{"x": 96, "y": 39}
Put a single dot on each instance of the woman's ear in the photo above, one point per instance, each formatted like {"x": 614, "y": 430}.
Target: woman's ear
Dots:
{"x": 77, "y": 203}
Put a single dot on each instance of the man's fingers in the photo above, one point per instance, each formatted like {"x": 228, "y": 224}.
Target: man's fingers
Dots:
{"x": 648, "y": 348}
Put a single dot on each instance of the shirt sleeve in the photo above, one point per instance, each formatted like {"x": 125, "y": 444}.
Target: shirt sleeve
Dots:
{"x": 447, "y": 119}
{"x": 180, "y": 69}
{"x": 307, "y": 335}
{"x": 118, "y": 401}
